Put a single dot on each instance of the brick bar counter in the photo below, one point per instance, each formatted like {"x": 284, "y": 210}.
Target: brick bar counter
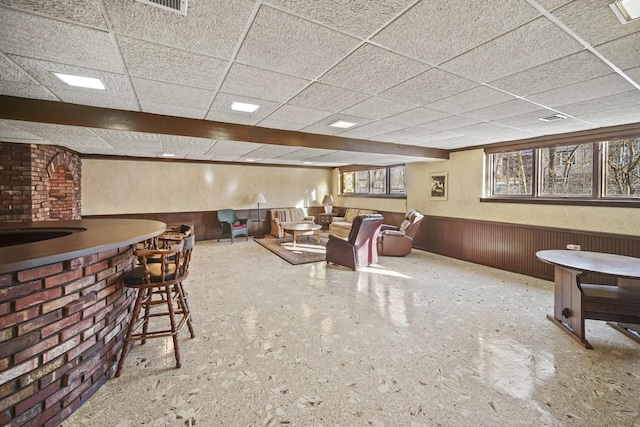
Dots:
{"x": 63, "y": 312}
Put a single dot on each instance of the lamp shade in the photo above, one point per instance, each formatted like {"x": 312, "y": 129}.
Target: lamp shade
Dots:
{"x": 258, "y": 198}
{"x": 328, "y": 200}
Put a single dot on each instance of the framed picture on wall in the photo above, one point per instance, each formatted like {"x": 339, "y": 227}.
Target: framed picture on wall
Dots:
{"x": 439, "y": 182}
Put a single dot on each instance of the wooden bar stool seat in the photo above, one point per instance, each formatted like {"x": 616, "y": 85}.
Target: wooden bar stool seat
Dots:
{"x": 160, "y": 293}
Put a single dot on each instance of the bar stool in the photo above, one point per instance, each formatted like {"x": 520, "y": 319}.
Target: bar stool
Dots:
{"x": 160, "y": 293}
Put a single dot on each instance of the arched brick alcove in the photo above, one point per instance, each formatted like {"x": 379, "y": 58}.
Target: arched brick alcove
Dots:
{"x": 60, "y": 188}
{"x": 25, "y": 182}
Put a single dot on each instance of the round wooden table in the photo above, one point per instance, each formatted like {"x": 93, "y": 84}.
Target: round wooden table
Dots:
{"x": 299, "y": 229}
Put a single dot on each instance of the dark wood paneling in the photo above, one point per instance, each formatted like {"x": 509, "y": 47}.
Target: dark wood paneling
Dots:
{"x": 512, "y": 247}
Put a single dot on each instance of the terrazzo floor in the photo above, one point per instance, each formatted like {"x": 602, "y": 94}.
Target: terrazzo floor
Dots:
{"x": 423, "y": 340}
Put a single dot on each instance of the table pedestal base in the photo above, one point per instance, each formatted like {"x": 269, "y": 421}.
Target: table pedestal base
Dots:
{"x": 630, "y": 330}
{"x": 582, "y": 341}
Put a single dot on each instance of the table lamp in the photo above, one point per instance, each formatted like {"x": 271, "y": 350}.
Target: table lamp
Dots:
{"x": 328, "y": 203}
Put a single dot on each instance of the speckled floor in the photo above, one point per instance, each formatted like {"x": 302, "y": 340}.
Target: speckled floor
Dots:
{"x": 417, "y": 341}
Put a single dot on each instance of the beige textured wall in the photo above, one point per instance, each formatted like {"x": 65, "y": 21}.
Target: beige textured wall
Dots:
{"x": 466, "y": 172}
{"x": 124, "y": 186}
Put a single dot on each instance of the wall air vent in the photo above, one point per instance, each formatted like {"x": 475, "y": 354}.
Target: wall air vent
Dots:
{"x": 177, "y": 6}
{"x": 552, "y": 118}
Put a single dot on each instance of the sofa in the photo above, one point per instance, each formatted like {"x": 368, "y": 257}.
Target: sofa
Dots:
{"x": 278, "y": 216}
{"x": 341, "y": 225}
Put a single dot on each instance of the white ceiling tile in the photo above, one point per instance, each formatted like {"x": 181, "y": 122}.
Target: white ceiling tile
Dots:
{"x": 377, "y": 108}
{"x": 81, "y": 142}
{"x": 42, "y": 38}
{"x": 401, "y": 134}
{"x": 432, "y": 138}
{"x": 596, "y": 88}
{"x": 111, "y": 135}
{"x": 473, "y": 99}
{"x": 305, "y": 49}
{"x": 173, "y": 110}
{"x": 417, "y": 116}
{"x": 358, "y": 17}
{"x": 302, "y": 115}
{"x": 305, "y": 154}
{"x": 263, "y": 84}
{"x": 10, "y": 130}
{"x": 623, "y": 52}
{"x": 117, "y": 85}
{"x": 85, "y": 12}
{"x": 232, "y": 148}
{"x": 571, "y": 69}
{"x": 634, "y": 74}
{"x": 437, "y": 30}
{"x": 149, "y": 90}
{"x": 544, "y": 41}
{"x": 322, "y": 127}
{"x": 523, "y": 121}
{"x": 602, "y": 105}
{"x": 211, "y": 27}
{"x": 9, "y": 72}
{"x": 372, "y": 129}
{"x": 270, "y": 151}
{"x": 428, "y": 87}
{"x": 594, "y": 21}
{"x": 136, "y": 146}
{"x": 183, "y": 144}
{"x": 505, "y": 109}
{"x": 449, "y": 123}
{"x": 320, "y": 96}
{"x": 167, "y": 64}
{"x": 25, "y": 90}
{"x": 615, "y": 117}
{"x": 372, "y": 69}
{"x": 98, "y": 100}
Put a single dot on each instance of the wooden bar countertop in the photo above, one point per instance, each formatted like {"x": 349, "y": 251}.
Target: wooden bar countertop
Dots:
{"x": 83, "y": 237}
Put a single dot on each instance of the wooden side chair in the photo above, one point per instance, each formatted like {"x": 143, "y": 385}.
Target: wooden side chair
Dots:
{"x": 158, "y": 280}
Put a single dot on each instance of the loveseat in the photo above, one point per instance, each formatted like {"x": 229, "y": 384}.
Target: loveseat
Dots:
{"x": 341, "y": 225}
{"x": 278, "y": 216}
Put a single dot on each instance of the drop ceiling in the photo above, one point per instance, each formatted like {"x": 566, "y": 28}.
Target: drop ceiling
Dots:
{"x": 429, "y": 74}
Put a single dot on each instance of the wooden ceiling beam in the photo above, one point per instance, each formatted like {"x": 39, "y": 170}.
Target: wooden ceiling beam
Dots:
{"x": 35, "y": 110}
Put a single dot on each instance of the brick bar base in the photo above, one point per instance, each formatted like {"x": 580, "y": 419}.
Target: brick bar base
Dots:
{"x": 61, "y": 331}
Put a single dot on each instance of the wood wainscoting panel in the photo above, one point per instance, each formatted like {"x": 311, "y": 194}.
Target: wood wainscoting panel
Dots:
{"x": 512, "y": 247}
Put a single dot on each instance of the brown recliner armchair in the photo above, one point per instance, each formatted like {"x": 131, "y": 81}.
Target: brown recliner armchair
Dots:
{"x": 399, "y": 242}
{"x": 359, "y": 250}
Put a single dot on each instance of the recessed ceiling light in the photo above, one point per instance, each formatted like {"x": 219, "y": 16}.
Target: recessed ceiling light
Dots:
{"x": 249, "y": 160}
{"x": 168, "y": 155}
{"x": 626, "y": 10}
{"x": 308, "y": 163}
{"x": 342, "y": 124}
{"x": 552, "y": 118}
{"x": 245, "y": 108}
{"x": 80, "y": 81}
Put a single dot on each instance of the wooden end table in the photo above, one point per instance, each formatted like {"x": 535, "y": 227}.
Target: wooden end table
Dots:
{"x": 324, "y": 219}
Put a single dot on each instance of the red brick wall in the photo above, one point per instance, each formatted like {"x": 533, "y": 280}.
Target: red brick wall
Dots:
{"x": 26, "y": 173}
{"x": 61, "y": 332}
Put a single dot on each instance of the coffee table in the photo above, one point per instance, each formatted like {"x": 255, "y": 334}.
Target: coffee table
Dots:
{"x": 299, "y": 229}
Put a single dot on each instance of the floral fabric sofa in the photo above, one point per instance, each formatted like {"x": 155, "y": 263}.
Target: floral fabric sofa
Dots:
{"x": 341, "y": 225}
{"x": 279, "y": 216}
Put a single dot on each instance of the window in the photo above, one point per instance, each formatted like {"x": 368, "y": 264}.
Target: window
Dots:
{"x": 567, "y": 170}
{"x": 382, "y": 181}
{"x": 622, "y": 175}
{"x": 512, "y": 173}
{"x": 594, "y": 171}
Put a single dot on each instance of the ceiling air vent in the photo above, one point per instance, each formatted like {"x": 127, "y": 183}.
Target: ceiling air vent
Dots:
{"x": 177, "y": 6}
{"x": 553, "y": 118}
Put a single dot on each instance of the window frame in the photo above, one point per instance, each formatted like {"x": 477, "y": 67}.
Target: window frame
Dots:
{"x": 599, "y": 167}
{"x": 388, "y": 194}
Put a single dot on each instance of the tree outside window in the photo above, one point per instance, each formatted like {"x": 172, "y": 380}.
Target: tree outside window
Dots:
{"x": 622, "y": 175}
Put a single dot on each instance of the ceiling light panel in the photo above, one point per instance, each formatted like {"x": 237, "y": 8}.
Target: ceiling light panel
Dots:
{"x": 626, "y": 10}
{"x": 243, "y": 107}
{"x": 342, "y": 124}
{"x": 81, "y": 81}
